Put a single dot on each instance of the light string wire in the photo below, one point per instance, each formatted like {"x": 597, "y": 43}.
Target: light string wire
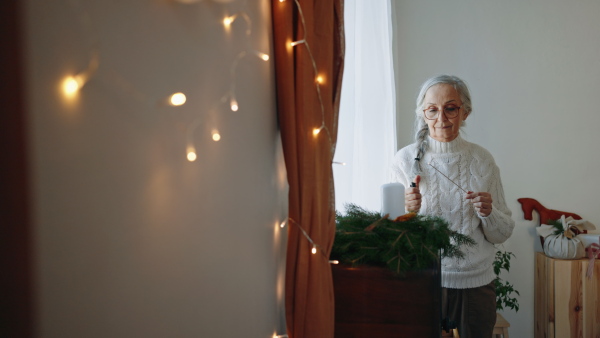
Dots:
{"x": 230, "y": 95}
{"x": 74, "y": 83}
{"x": 314, "y": 246}
{"x": 318, "y": 79}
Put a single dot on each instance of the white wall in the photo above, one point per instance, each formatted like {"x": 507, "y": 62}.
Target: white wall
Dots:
{"x": 533, "y": 70}
{"x": 131, "y": 239}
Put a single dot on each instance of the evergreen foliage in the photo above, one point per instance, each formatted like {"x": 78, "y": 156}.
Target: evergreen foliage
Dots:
{"x": 410, "y": 242}
{"x": 557, "y": 224}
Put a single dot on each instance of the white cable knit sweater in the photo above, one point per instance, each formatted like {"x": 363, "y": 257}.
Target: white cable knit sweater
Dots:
{"x": 474, "y": 169}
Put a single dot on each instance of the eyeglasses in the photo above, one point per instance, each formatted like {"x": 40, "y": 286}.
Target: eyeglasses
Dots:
{"x": 433, "y": 113}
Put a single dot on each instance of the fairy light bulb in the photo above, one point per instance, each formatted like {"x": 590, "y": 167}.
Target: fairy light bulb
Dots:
{"x": 234, "y": 104}
{"x": 263, "y": 56}
{"x": 316, "y": 131}
{"x": 73, "y": 84}
{"x": 228, "y": 21}
{"x": 314, "y": 249}
{"x": 282, "y": 225}
{"x": 177, "y": 99}
{"x": 320, "y": 79}
{"x": 335, "y": 262}
{"x": 191, "y": 154}
{"x": 216, "y": 136}
{"x": 70, "y": 86}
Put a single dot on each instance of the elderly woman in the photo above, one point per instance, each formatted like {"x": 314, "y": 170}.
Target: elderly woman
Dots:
{"x": 459, "y": 181}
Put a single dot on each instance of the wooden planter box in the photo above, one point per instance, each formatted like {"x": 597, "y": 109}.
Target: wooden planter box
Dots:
{"x": 373, "y": 302}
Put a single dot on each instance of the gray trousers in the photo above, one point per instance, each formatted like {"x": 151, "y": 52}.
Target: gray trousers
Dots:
{"x": 473, "y": 310}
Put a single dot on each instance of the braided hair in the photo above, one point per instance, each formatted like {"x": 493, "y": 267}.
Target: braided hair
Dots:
{"x": 421, "y": 127}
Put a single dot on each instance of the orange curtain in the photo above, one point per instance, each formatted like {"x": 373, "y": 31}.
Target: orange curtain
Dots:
{"x": 318, "y": 26}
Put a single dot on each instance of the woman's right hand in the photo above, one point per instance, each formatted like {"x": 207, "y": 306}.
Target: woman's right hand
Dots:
{"x": 412, "y": 197}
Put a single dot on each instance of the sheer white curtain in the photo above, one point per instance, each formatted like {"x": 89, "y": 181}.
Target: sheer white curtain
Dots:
{"x": 367, "y": 119}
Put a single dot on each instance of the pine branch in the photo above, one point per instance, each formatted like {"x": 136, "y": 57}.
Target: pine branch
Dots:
{"x": 411, "y": 242}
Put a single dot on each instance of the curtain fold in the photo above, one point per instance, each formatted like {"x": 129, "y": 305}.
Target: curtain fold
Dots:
{"x": 318, "y": 25}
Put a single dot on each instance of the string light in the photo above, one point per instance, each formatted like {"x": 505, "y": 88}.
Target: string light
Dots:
{"x": 71, "y": 85}
{"x": 318, "y": 78}
{"x": 314, "y": 246}
{"x": 177, "y": 99}
{"x": 216, "y": 136}
{"x": 282, "y": 225}
{"x": 191, "y": 154}
{"x": 263, "y": 56}
{"x": 191, "y": 150}
{"x": 229, "y": 20}
{"x": 233, "y": 104}
{"x": 335, "y": 262}
{"x": 295, "y": 43}
{"x": 316, "y": 131}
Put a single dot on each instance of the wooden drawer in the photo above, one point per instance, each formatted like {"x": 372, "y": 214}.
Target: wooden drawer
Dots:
{"x": 566, "y": 301}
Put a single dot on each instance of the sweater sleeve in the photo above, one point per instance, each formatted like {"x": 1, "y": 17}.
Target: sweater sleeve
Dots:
{"x": 498, "y": 225}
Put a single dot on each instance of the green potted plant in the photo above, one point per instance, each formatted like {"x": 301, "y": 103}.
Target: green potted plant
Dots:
{"x": 504, "y": 289}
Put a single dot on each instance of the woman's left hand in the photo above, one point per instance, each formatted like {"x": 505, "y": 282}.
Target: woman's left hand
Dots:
{"x": 482, "y": 202}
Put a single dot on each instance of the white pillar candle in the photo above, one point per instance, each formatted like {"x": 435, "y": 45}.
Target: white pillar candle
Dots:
{"x": 392, "y": 199}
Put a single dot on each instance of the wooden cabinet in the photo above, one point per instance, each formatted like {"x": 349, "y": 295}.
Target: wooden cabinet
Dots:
{"x": 566, "y": 301}
{"x": 372, "y": 302}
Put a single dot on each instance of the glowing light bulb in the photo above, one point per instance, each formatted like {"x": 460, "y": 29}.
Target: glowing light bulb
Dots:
{"x": 314, "y": 250}
{"x": 191, "y": 154}
{"x": 335, "y": 261}
{"x": 234, "y": 104}
{"x": 316, "y": 131}
{"x": 177, "y": 99}
{"x": 320, "y": 79}
{"x": 263, "y": 56}
{"x": 282, "y": 225}
{"x": 228, "y": 20}
{"x": 216, "y": 136}
{"x": 70, "y": 85}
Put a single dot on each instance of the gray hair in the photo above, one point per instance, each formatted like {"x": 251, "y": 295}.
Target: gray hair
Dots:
{"x": 421, "y": 128}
